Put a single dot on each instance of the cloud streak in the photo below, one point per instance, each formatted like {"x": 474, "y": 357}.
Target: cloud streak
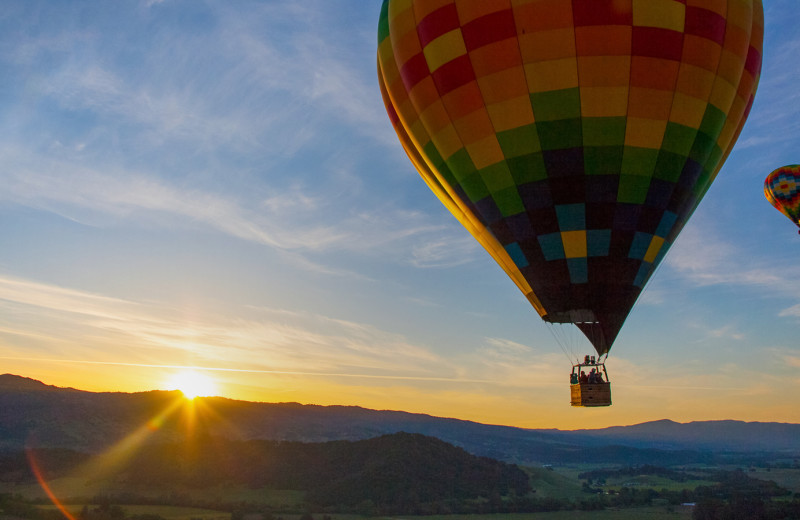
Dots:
{"x": 290, "y": 220}
{"x": 268, "y": 340}
{"x": 205, "y": 120}
{"x": 702, "y": 257}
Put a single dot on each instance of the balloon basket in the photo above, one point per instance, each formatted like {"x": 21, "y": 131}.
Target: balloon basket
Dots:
{"x": 595, "y": 392}
{"x": 590, "y": 394}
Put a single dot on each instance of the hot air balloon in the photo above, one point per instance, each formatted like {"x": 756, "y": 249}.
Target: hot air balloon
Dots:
{"x": 782, "y": 189}
{"x": 572, "y": 138}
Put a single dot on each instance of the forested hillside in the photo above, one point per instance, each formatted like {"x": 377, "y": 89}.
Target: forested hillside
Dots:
{"x": 400, "y": 472}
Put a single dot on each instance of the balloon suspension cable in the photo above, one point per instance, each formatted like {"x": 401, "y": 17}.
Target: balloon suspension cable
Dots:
{"x": 571, "y": 339}
{"x": 563, "y": 342}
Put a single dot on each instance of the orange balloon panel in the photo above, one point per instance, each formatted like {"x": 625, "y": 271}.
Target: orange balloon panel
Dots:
{"x": 572, "y": 138}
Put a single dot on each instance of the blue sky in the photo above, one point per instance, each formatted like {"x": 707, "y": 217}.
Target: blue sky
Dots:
{"x": 216, "y": 184}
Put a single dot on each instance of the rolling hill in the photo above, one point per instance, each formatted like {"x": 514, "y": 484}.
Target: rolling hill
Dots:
{"x": 35, "y": 414}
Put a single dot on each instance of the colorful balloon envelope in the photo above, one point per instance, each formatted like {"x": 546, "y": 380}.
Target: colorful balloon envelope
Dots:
{"x": 782, "y": 189}
{"x": 572, "y": 138}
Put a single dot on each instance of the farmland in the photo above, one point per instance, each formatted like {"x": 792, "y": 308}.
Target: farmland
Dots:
{"x": 574, "y": 492}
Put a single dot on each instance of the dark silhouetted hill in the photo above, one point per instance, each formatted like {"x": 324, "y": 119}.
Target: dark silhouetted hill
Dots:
{"x": 35, "y": 414}
{"x": 389, "y": 470}
{"x": 398, "y": 473}
{"x": 714, "y": 436}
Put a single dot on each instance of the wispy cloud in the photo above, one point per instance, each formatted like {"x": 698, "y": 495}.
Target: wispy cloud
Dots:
{"x": 704, "y": 257}
{"x": 186, "y": 129}
{"x": 318, "y": 69}
{"x": 90, "y": 196}
{"x": 793, "y": 361}
{"x": 793, "y": 311}
{"x": 291, "y": 220}
{"x": 445, "y": 251}
{"x": 729, "y": 331}
{"x": 509, "y": 363}
{"x": 255, "y": 338}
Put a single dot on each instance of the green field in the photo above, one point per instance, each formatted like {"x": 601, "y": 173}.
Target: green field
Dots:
{"x": 641, "y": 513}
{"x": 644, "y": 513}
{"x": 167, "y": 512}
{"x": 559, "y": 483}
{"x": 653, "y": 482}
{"x": 555, "y": 484}
{"x": 76, "y": 488}
{"x": 788, "y": 478}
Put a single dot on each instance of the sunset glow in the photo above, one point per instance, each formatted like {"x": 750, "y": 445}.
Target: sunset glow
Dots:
{"x": 192, "y": 384}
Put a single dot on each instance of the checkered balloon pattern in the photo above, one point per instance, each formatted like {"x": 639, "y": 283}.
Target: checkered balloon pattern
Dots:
{"x": 572, "y": 138}
{"x": 782, "y": 189}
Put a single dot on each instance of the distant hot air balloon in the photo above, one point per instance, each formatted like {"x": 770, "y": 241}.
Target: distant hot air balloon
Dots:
{"x": 572, "y": 138}
{"x": 782, "y": 189}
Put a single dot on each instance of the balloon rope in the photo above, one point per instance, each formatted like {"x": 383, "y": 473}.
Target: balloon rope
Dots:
{"x": 563, "y": 340}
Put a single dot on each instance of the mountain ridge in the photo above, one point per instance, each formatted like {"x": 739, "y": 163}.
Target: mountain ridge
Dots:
{"x": 32, "y": 412}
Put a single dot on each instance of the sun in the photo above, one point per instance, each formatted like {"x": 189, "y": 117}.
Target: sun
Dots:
{"x": 192, "y": 384}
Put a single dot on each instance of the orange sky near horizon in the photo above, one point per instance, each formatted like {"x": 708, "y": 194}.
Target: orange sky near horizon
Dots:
{"x": 541, "y": 406}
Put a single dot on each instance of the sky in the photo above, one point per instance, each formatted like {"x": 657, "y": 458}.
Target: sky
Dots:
{"x": 215, "y": 184}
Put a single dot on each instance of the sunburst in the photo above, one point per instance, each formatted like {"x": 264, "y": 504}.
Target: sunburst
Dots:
{"x": 192, "y": 384}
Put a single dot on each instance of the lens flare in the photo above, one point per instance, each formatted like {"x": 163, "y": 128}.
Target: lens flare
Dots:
{"x": 37, "y": 472}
